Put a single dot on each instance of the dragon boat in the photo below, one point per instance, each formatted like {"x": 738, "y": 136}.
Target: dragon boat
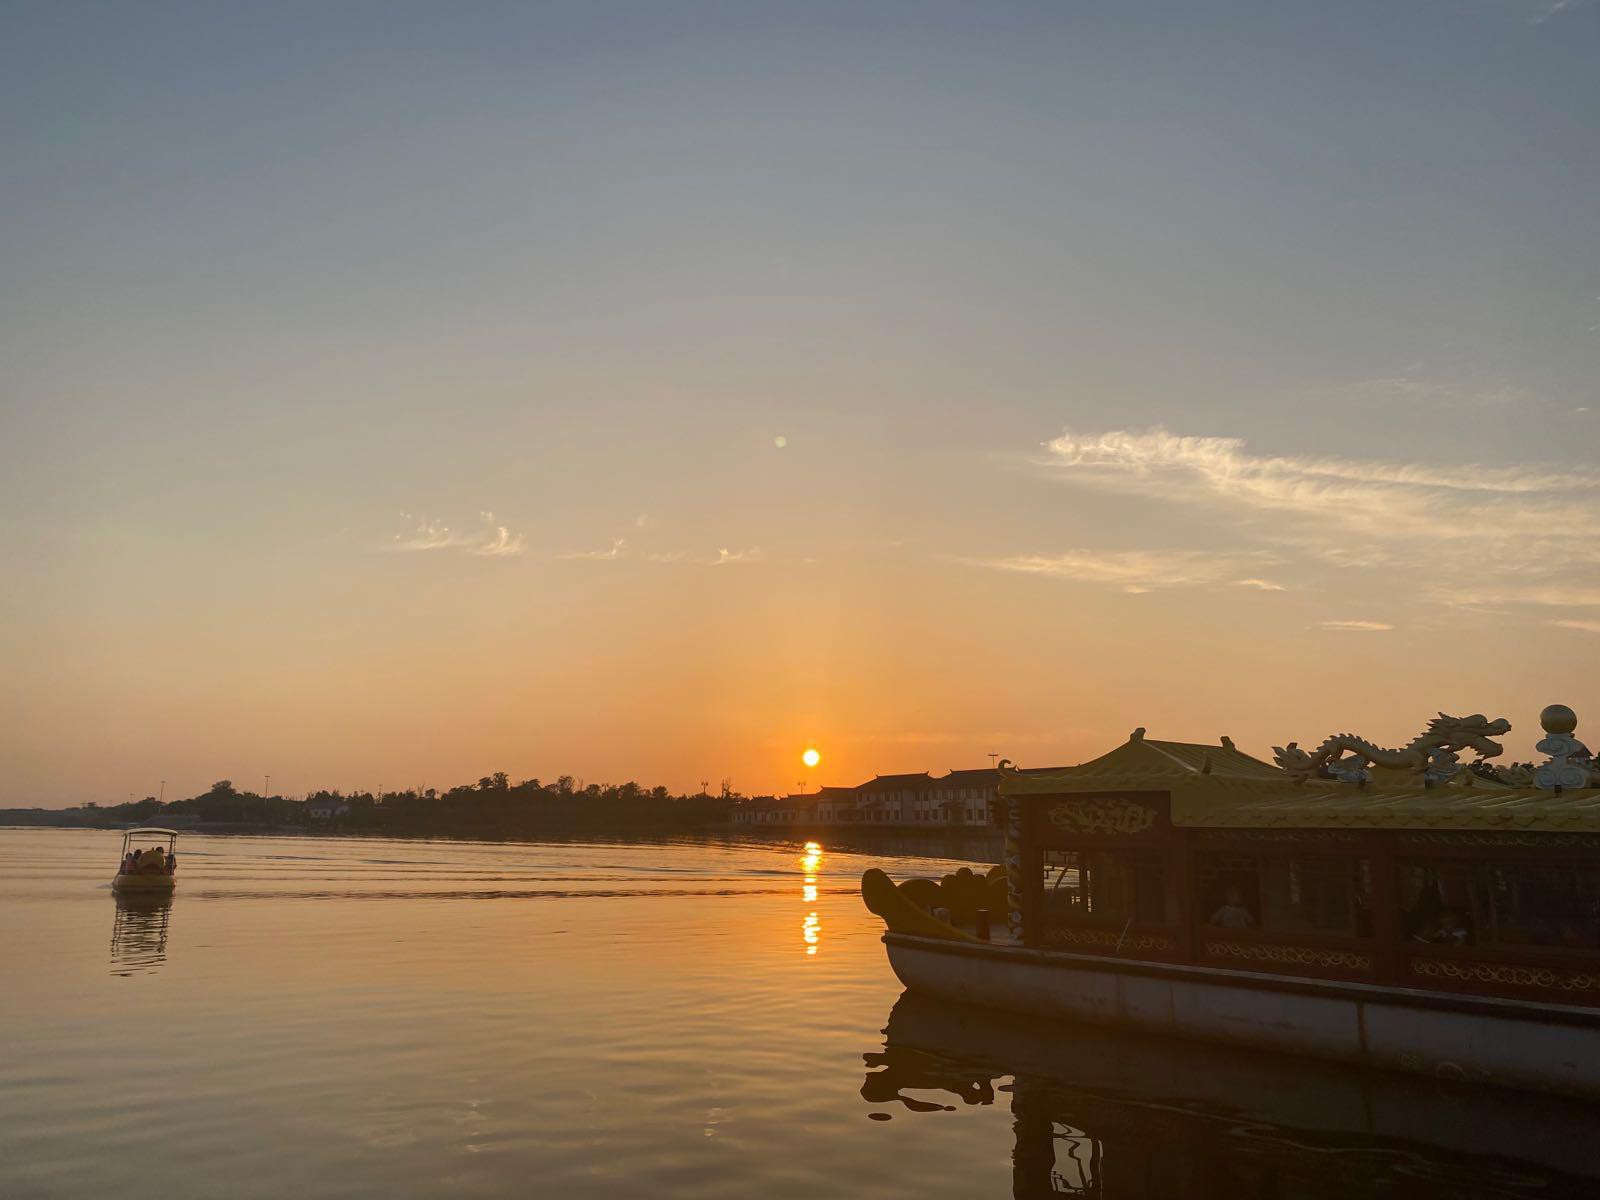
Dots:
{"x": 1395, "y": 908}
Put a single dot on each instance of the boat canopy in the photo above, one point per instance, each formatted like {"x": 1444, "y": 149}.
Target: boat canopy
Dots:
{"x": 152, "y": 829}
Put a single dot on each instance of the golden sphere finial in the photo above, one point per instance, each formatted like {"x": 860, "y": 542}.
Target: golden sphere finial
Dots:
{"x": 1558, "y": 718}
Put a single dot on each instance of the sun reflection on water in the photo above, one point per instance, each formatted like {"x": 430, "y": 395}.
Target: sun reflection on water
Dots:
{"x": 809, "y": 864}
{"x": 811, "y": 930}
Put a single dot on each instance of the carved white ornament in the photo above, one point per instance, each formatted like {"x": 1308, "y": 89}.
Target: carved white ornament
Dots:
{"x": 1570, "y": 762}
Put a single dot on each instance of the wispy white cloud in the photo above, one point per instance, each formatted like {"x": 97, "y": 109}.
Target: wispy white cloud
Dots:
{"x": 1543, "y": 594}
{"x": 1578, "y": 623}
{"x": 620, "y": 548}
{"x": 1526, "y": 533}
{"x": 500, "y": 542}
{"x": 1134, "y": 571}
{"x": 1265, "y": 585}
{"x": 427, "y": 535}
{"x": 1545, "y": 10}
{"x": 611, "y": 552}
{"x": 489, "y": 540}
{"x": 1220, "y": 467}
{"x": 1357, "y": 626}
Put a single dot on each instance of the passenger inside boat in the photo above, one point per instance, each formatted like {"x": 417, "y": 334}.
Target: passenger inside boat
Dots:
{"x": 1519, "y": 904}
{"x": 153, "y": 861}
{"x": 1445, "y": 928}
{"x": 1232, "y": 913}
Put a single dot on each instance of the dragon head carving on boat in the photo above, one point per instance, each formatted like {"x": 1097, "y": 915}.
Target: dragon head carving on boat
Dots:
{"x": 1435, "y": 752}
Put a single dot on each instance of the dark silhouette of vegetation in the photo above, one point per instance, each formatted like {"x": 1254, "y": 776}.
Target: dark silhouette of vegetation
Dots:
{"x": 493, "y": 807}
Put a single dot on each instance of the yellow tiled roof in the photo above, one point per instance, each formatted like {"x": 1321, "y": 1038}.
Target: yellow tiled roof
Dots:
{"x": 1324, "y": 804}
{"x": 1144, "y": 763}
{"x": 1219, "y": 787}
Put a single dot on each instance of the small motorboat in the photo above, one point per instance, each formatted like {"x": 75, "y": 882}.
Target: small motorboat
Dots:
{"x": 149, "y": 862}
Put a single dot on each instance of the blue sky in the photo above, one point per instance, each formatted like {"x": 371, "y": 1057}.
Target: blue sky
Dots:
{"x": 1133, "y": 364}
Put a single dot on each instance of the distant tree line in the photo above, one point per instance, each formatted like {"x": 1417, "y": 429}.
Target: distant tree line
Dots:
{"x": 493, "y": 807}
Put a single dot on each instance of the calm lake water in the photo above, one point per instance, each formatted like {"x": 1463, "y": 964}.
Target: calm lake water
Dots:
{"x": 365, "y": 1017}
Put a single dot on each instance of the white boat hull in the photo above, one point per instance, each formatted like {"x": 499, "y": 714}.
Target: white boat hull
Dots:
{"x": 1543, "y": 1047}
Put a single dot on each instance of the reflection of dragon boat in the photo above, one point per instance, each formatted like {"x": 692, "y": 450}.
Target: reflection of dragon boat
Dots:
{"x": 1387, "y": 907}
{"x": 1101, "y": 1114}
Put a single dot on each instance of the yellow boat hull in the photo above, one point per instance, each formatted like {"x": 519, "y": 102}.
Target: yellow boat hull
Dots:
{"x": 143, "y": 883}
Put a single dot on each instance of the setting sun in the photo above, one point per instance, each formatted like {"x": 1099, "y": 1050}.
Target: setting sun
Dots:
{"x": 811, "y": 758}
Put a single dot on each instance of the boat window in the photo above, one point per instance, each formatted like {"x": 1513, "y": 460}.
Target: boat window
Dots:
{"x": 1106, "y": 886}
{"x": 1521, "y": 904}
{"x": 1300, "y": 894}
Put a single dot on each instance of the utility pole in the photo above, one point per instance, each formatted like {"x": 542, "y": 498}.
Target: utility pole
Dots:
{"x": 163, "y": 796}
{"x": 993, "y": 760}
{"x": 266, "y": 788}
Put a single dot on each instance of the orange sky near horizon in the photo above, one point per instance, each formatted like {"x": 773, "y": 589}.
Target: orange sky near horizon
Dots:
{"x": 653, "y": 398}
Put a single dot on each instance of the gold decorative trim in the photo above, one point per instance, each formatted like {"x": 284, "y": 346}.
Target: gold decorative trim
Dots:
{"x": 1277, "y": 835}
{"x": 1102, "y": 816}
{"x": 1105, "y": 937}
{"x": 1534, "y": 977}
{"x": 1303, "y": 956}
{"x": 1540, "y": 840}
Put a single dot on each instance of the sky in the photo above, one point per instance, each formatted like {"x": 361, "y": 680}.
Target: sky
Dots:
{"x": 391, "y": 394}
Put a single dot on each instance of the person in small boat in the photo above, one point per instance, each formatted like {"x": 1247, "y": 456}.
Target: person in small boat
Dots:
{"x": 153, "y": 862}
{"x": 133, "y": 862}
{"x": 1233, "y": 914}
{"x": 127, "y": 865}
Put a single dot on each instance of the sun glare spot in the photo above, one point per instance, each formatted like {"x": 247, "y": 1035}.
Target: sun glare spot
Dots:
{"x": 809, "y": 864}
{"x": 811, "y": 758}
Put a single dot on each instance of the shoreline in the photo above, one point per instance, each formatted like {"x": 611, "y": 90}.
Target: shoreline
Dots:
{"x": 965, "y": 845}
